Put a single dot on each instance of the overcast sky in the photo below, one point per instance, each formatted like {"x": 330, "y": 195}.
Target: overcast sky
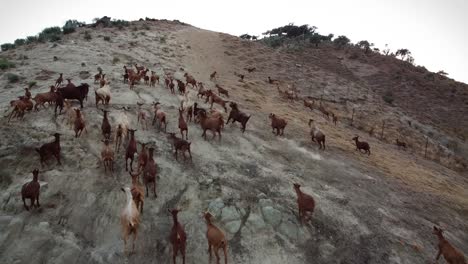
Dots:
{"x": 433, "y": 30}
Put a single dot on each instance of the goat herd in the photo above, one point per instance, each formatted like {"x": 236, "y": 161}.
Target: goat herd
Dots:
{"x": 212, "y": 120}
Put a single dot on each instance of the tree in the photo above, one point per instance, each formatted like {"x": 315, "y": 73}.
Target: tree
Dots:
{"x": 386, "y": 51}
{"x": 245, "y": 36}
{"x": 71, "y": 25}
{"x": 364, "y": 44}
{"x": 403, "y": 53}
{"x": 341, "y": 41}
{"x": 316, "y": 39}
{"x": 20, "y": 42}
{"x": 7, "y": 46}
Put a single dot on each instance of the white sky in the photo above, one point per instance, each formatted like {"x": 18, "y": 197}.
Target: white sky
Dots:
{"x": 433, "y": 30}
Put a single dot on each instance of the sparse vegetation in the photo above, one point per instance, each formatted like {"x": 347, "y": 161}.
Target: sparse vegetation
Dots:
{"x": 20, "y": 42}
{"x": 162, "y": 40}
{"x": 5, "y": 64}
{"x": 71, "y": 25}
{"x": 31, "y": 39}
{"x": 32, "y": 84}
{"x": 12, "y": 78}
{"x": 87, "y": 36}
{"x": 341, "y": 41}
{"x": 51, "y": 34}
{"x": 388, "y": 97}
{"x": 7, "y": 46}
{"x": 115, "y": 60}
{"x": 107, "y": 38}
{"x": 365, "y": 45}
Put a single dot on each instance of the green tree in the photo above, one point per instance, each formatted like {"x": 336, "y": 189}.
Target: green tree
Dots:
{"x": 7, "y": 46}
{"x": 71, "y": 25}
{"x": 31, "y": 39}
{"x": 20, "y": 42}
{"x": 364, "y": 44}
{"x": 245, "y": 36}
{"x": 403, "y": 53}
{"x": 341, "y": 41}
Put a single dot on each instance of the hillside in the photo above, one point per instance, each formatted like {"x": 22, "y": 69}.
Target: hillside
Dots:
{"x": 370, "y": 209}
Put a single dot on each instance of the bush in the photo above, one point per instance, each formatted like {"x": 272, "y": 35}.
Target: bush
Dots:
{"x": 146, "y": 27}
{"x": 20, "y": 42}
{"x": 388, "y": 97}
{"x": 13, "y": 78}
{"x": 273, "y": 42}
{"x": 120, "y": 23}
{"x": 162, "y": 40}
{"x": 31, "y": 39}
{"x": 32, "y": 84}
{"x": 106, "y": 38}
{"x": 5, "y": 64}
{"x": 115, "y": 60}
{"x": 71, "y": 25}
{"x": 87, "y": 36}
{"x": 51, "y": 34}
{"x": 7, "y": 46}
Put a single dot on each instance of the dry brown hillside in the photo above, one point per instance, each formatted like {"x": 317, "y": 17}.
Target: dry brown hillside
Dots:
{"x": 370, "y": 209}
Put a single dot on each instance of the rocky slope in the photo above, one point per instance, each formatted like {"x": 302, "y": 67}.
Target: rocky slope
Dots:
{"x": 377, "y": 209}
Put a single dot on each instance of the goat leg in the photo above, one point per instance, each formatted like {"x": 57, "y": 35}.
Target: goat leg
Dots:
{"x": 25, "y": 206}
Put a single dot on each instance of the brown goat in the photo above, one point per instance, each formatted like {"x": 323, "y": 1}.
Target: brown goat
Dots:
{"x": 20, "y": 107}
{"x": 190, "y": 80}
{"x": 142, "y": 116}
{"x": 213, "y": 76}
{"x": 334, "y": 118}
{"x": 305, "y": 202}
{"x": 182, "y": 124}
{"x": 177, "y": 237}
{"x": 309, "y": 104}
{"x": 221, "y": 90}
{"x": 324, "y": 111}
{"x": 118, "y": 137}
{"x": 400, "y": 144}
{"x": 59, "y": 81}
{"x": 216, "y": 239}
{"x": 106, "y": 126}
{"x": 189, "y": 113}
{"x": 213, "y": 98}
{"x": 31, "y": 190}
{"x": 27, "y": 93}
{"x": 80, "y": 124}
{"x": 160, "y": 116}
{"x": 210, "y": 123}
{"x": 98, "y": 76}
{"x": 103, "y": 81}
{"x": 272, "y": 81}
{"x": 142, "y": 157}
{"x": 237, "y": 115}
{"x": 250, "y": 69}
{"x": 277, "y": 123}
{"x": 180, "y": 144}
{"x": 180, "y": 86}
{"x": 154, "y": 79}
{"x": 50, "y": 149}
{"x": 138, "y": 194}
{"x": 149, "y": 172}
{"x": 316, "y": 134}
{"x": 131, "y": 149}
{"x": 107, "y": 156}
{"x": 450, "y": 253}
{"x": 362, "y": 145}
{"x": 42, "y": 98}
{"x": 171, "y": 86}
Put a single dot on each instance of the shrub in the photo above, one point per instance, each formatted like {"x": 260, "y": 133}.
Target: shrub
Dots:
{"x": 106, "y": 38}
{"x": 7, "y": 46}
{"x": 32, "y": 84}
{"x": 341, "y": 41}
{"x": 87, "y": 36}
{"x": 388, "y": 97}
{"x": 51, "y": 34}
{"x": 5, "y": 64}
{"x": 71, "y": 25}
{"x": 31, "y": 39}
{"x": 162, "y": 40}
{"x": 146, "y": 27}
{"x": 13, "y": 78}
{"x": 20, "y": 42}
{"x": 120, "y": 23}
{"x": 273, "y": 42}
{"x": 83, "y": 64}
{"x": 115, "y": 60}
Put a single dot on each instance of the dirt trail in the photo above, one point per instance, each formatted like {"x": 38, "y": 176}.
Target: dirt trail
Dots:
{"x": 377, "y": 209}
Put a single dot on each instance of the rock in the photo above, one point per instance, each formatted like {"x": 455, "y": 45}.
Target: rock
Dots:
{"x": 255, "y": 222}
{"x": 84, "y": 74}
{"x": 289, "y": 229}
{"x": 233, "y": 226}
{"x": 271, "y": 215}
{"x": 215, "y": 207}
{"x": 265, "y": 202}
{"x": 44, "y": 225}
{"x": 230, "y": 213}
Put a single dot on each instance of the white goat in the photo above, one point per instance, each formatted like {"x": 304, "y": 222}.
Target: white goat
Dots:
{"x": 103, "y": 94}
{"x": 130, "y": 219}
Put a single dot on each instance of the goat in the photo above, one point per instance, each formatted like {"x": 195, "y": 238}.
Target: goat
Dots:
{"x": 189, "y": 113}
{"x": 50, "y": 149}
{"x": 59, "y": 81}
{"x": 138, "y": 194}
{"x": 400, "y": 144}
{"x": 309, "y": 104}
{"x": 103, "y": 81}
{"x": 190, "y": 79}
{"x": 180, "y": 86}
{"x": 78, "y": 93}
{"x": 182, "y": 124}
{"x": 167, "y": 81}
{"x": 58, "y": 103}
{"x": 125, "y": 75}
{"x": 154, "y": 79}
{"x": 149, "y": 172}
{"x": 272, "y": 81}
{"x": 237, "y": 115}
{"x": 213, "y": 98}
{"x": 324, "y": 111}
{"x": 180, "y": 144}
{"x": 42, "y": 98}
{"x": 31, "y": 191}
{"x": 124, "y": 124}
{"x": 334, "y": 118}
{"x": 129, "y": 219}
{"x": 450, "y": 253}
{"x": 213, "y": 113}
{"x": 277, "y": 123}
{"x": 241, "y": 76}
{"x": 103, "y": 94}
{"x": 210, "y": 123}
{"x": 213, "y": 76}
{"x": 142, "y": 115}
{"x": 80, "y": 124}
{"x": 177, "y": 237}
{"x": 142, "y": 157}
{"x": 160, "y": 116}
{"x": 139, "y": 68}
{"x": 202, "y": 92}
{"x": 288, "y": 94}
{"x": 197, "y": 110}
{"x": 118, "y": 137}
{"x": 171, "y": 86}
{"x": 19, "y": 107}
{"x": 316, "y": 134}
{"x": 362, "y": 145}
{"x": 27, "y": 93}
{"x": 98, "y": 76}
{"x": 221, "y": 90}
{"x": 107, "y": 156}
{"x": 250, "y": 69}
{"x": 131, "y": 150}
{"x": 70, "y": 113}
{"x": 216, "y": 238}
{"x": 305, "y": 202}
{"x": 106, "y": 126}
